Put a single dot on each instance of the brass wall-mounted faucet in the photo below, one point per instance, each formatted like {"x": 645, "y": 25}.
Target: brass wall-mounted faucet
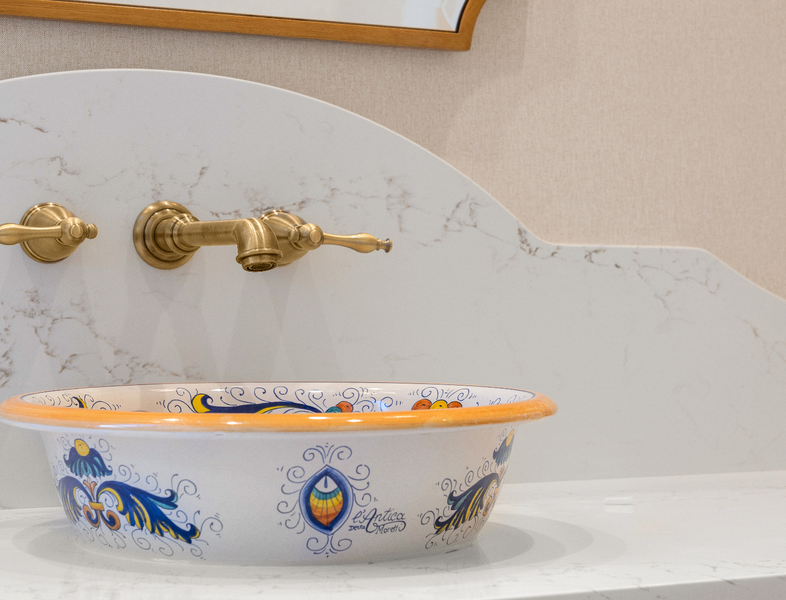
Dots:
{"x": 48, "y": 233}
{"x": 166, "y": 236}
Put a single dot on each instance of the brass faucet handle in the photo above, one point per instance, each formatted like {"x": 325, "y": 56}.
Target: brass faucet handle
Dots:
{"x": 48, "y": 233}
{"x": 11, "y": 234}
{"x": 306, "y": 236}
{"x": 359, "y": 242}
{"x": 310, "y": 237}
{"x": 74, "y": 231}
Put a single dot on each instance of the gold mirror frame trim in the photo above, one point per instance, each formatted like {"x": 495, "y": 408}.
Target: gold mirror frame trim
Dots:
{"x": 235, "y": 23}
{"x": 19, "y": 412}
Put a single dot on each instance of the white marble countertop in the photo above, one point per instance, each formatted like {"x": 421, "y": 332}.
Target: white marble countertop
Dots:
{"x": 710, "y": 536}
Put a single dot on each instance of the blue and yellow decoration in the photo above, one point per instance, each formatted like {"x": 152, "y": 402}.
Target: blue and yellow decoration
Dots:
{"x": 320, "y": 495}
{"x": 502, "y": 454}
{"x": 84, "y": 461}
{"x": 468, "y": 505}
{"x": 202, "y": 404}
{"x": 326, "y": 500}
{"x": 479, "y": 498}
{"x": 142, "y": 510}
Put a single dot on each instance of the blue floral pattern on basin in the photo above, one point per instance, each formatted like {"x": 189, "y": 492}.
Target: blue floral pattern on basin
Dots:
{"x": 89, "y": 496}
{"x": 469, "y": 504}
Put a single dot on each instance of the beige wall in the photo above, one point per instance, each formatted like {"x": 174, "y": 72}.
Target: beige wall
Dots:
{"x": 601, "y": 122}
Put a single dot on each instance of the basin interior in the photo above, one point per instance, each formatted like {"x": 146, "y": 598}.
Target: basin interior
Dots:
{"x": 278, "y": 397}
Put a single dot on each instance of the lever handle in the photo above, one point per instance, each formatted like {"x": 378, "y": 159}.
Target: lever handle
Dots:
{"x": 48, "y": 233}
{"x": 359, "y": 242}
{"x": 296, "y": 237}
{"x": 11, "y": 234}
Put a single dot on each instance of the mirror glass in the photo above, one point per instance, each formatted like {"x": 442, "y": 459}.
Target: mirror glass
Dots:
{"x": 440, "y": 15}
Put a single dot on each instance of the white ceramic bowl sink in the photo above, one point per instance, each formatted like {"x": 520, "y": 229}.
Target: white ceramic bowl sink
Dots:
{"x": 277, "y": 473}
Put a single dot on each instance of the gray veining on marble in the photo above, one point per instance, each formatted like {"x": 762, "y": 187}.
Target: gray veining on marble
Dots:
{"x": 662, "y": 360}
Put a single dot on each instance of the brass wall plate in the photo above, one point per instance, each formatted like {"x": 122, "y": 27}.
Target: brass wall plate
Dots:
{"x": 52, "y": 249}
{"x": 144, "y": 235}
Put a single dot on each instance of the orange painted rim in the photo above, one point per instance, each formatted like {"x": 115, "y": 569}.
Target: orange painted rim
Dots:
{"x": 36, "y": 416}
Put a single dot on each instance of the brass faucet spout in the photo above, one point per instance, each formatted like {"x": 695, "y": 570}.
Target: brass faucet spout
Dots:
{"x": 166, "y": 236}
{"x": 257, "y": 248}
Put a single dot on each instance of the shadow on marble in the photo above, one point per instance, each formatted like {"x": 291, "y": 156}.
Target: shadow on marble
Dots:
{"x": 533, "y": 542}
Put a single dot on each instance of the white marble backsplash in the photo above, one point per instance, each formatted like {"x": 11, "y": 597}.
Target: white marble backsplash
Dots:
{"x": 662, "y": 360}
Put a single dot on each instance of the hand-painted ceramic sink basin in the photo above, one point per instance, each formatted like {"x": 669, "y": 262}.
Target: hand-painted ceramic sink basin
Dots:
{"x": 277, "y": 473}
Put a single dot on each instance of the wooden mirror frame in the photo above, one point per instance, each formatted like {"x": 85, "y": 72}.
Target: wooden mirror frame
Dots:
{"x": 95, "y": 12}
